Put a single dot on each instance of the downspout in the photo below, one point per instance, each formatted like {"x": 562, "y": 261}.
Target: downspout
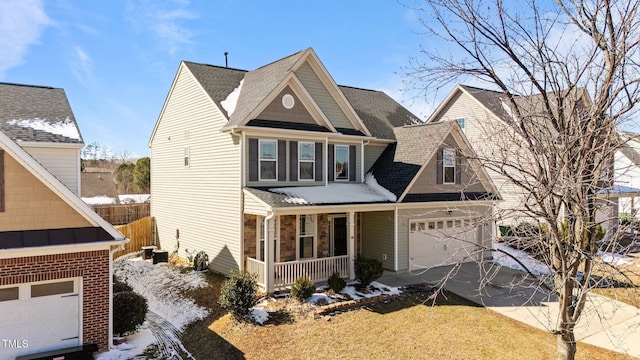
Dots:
{"x": 118, "y": 248}
{"x": 241, "y": 190}
{"x": 395, "y": 239}
{"x": 268, "y": 253}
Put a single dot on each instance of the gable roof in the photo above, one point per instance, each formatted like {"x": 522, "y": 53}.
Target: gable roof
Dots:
{"x": 400, "y": 162}
{"x": 37, "y": 114}
{"x": 377, "y": 111}
{"x": 24, "y": 159}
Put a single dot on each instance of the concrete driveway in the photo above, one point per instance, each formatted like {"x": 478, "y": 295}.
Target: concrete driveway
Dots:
{"x": 605, "y": 322}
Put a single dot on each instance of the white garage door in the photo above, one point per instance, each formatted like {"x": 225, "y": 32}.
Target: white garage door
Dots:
{"x": 38, "y": 317}
{"x": 441, "y": 242}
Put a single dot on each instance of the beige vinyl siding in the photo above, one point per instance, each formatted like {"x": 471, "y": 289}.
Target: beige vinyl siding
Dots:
{"x": 322, "y": 97}
{"x": 459, "y": 210}
{"x": 203, "y": 200}
{"x": 253, "y": 206}
{"x": 63, "y": 163}
{"x": 486, "y": 133}
{"x": 371, "y": 154}
{"x": 377, "y": 236}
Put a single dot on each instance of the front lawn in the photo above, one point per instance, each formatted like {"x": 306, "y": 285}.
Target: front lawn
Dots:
{"x": 399, "y": 329}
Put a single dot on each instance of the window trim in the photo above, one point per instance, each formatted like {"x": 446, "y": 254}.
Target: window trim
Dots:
{"x": 260, "y": 237}
{"x": 335, "y": 163}
{"x": 313, "y": 236}
{"x": 274, "y": 160}
{"x": 445, "y": 167}
{"x": 313, "y": 162}
{"x": 463, "y": 127}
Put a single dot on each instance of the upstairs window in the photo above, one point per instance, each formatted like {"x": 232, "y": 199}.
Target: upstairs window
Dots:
{"x": 460, "y": 122}
{"x": 186, "y": 156}
{"x": 342, "y": 162}
{"x": 306, "y": 161}
{"x": 448, "y": 166}
{"x": 268, "y": 160}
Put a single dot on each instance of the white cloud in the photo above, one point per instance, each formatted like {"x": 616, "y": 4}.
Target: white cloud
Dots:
{"x": 21, "y": 25}
{"x": 81, "y": 66}
{"x": 165, "y": 21}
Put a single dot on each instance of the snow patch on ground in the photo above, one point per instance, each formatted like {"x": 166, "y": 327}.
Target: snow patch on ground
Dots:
{"x": 321, "y": 298}
{"x": 135, "y": 345}
{"x": 65, "y": 128}
{"x": 99, "y": 200}
{"x": 259, "y": 315}
{"x": 614, "y": 259}
{"x": 162, "y": 285}
{"x": 533, "y": 265}
{"x": 229, "y": 104}
{"x": 134, "y": 198}
{"x": 375, "y": 289}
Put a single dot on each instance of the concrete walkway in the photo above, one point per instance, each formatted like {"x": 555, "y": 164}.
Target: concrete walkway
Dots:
{"x": 605, "y": 322}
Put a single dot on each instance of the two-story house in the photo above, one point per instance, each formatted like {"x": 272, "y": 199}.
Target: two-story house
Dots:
{"x": 55, "y": 251}
{"x": 281, "y": 172}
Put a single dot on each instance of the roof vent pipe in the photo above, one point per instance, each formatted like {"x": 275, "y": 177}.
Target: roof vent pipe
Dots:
{"x": 226, "y": 62}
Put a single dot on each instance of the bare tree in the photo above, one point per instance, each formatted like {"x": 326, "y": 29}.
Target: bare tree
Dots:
{"x": 569, "y": 74}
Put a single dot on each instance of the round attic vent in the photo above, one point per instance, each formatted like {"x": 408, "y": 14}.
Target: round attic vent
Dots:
{"x": 288, "y": 101}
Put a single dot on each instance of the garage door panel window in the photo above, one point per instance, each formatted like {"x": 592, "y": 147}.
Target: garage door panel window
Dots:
{"x": 56, "y": 288}
{"x": 8, "y": 294}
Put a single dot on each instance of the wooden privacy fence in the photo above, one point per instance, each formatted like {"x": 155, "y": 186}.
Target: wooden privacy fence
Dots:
{"x": 123, "y": 213}
{"x": 140, "y": 233}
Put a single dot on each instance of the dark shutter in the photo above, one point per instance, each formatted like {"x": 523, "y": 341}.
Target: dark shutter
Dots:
{"x": 331, "y": 165}
{"x": 458, "y": 167}
{"x": 282, "y": 160}
{"x": 253, "y": 160}
{"x": 293, "y": 160}
{"x": 439, "y": 166}
{"x": 352, "y": 163}
{"x": 1, "y": 180}
{"x": 319, "y": 161}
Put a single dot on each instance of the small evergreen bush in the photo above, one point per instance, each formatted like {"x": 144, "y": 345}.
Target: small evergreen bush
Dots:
{"x": 368, "y": 270}
{"x": 303, "y": 288}
{"x": 119, "y": 286}
{"x": 336, "y": 283}
{"x": 239, "y": 294}
{"x": 129, "y": 311}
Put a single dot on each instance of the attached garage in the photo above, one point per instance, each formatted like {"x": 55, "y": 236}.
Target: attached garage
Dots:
{"x": 39, "y": 317}
{"x": 438, "y": 242}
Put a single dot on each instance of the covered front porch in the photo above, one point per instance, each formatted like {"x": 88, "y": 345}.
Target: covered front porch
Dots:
{"x": 280, "y": 248}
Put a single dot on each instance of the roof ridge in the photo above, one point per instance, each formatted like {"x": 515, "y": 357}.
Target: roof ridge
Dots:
{"x": 214, "y": 66}
{"x": 479, "y": 88}
{"x": 359, "y": 88}
{"x": 28, "y": 85}
{"x": 278, "y": 60}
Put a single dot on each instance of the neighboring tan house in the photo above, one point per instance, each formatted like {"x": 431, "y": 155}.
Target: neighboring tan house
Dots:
{"x": 627, "y": 173}
{"x": 482, "y": 115}
{"x": 283, "y": 173}
{"x": 55, "y": 252}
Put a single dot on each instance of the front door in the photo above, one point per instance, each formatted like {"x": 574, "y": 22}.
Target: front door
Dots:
{"x": 338, "y": 235}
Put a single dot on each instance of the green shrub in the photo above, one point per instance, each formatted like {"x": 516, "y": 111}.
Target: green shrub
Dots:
{"x": 129, "y": 311}
{"x": 303, "y": 288}
{"x": 120, "y": 286}
{"x": 368, "y": 270}
{"x": 239, "y": 294}
{"x": 336, "y": 283}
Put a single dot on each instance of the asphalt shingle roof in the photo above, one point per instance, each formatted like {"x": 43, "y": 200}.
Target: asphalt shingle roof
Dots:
{"x": 33, "y": 113}
{"x": 400, "y": 162}
{"x": 217, "y": 81}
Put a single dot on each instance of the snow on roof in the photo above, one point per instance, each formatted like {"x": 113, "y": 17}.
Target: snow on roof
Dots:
{"x": 337, "y": 193}
{"x": 620, "y": 189}
{"x": 134, "y": 198}
{"x": 65, "y": 128}
{"x": 229, "y": 104}
{"x": 99, "y": 200}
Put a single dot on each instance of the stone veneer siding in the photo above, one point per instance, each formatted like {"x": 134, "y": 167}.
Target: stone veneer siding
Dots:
{"x": 91, "y": 266}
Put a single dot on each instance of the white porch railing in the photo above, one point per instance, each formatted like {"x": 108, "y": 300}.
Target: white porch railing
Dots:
{"x": 254, "y": 266}
{"x": 317, "y": 270}
{"x": 286, "y": 273}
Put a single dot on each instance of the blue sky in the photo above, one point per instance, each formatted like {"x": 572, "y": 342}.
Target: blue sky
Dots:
{"x": 116, "y": 59}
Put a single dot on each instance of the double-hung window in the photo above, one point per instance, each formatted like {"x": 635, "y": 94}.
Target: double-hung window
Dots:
{"x": 342, "y": 162}
{"x": 461, "y": 123}
{"x": 448, "y": 166}
{"x": 306, "y": 160}
{"x": 268, "y": 159}
{"x": 307, "y": 230}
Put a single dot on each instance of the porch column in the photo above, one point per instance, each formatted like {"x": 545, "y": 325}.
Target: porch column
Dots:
{"x": 352, "y": 244}
{"x": 270, "y": 236}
